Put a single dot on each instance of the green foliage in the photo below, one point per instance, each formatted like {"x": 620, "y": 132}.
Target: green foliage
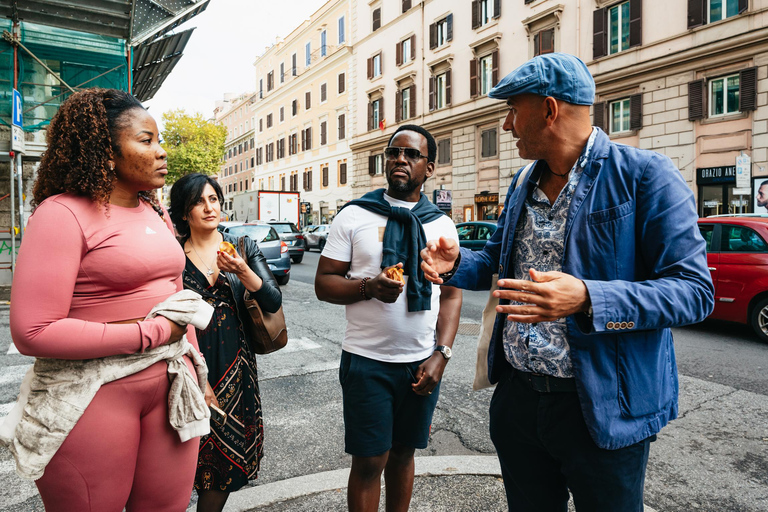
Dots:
{"x": 193, "y": 144}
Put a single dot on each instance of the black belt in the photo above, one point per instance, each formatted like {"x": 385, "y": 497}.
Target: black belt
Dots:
{"x": 546, "y": 383}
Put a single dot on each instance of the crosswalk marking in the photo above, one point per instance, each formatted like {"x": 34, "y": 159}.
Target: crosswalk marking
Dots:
{"x": 12, "y": 350}
{"x": 298, "y": 345}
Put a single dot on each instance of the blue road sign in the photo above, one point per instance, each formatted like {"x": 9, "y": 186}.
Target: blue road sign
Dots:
{"x": 17, "y": 108}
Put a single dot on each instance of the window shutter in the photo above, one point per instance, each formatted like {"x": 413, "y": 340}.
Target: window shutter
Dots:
{"x": 448, "y": 87}
{"x": 449, "y": 22}
{"x": 635, "y": 23}
{"x": 536, "y": 42}
{"x": 323, "y": 133}
{"x": 433, "y": 36}
{"x": 406, "y": 5}
{"x": 431, "y": 93}
{"x": 496, "y": 9}
{"x": 370, "y": 68}
{"x": 399, "y": 53}
{"x": 599, "y": 116}
{"x": 697, "y": 99}
{"x": 381, "y": 111}
{"x": 309, "y": 180}
{"x": 307, "y": 101}
{"x": 747, "y": 89}
{"x": 495, "y": 68}
{"x": 635, "y": 111}
{"x": 325, "y": 176}
{"x": 743, "y": 4}
{"x": 475, "y": 14}
{"x": 413, "y": 101}
{"x": 323, "y": 92}
{"x": 697, "y": 13}
{"x": 372, "y": 165}
{"x": 370, "y": 116}
{"x": 343, "y": 174}
{"x": 341, "y": 83}
{"x": 341, "y": 127}
{"x": 398, "y": 105}
{"x": 303, "y": 140}
{"x": 376, "y": 19}
{"x": 309, "y": 138}
{"x": 413, "y": 47}
{"x": 599, "y": 33}
{"x": 473, "y": 78}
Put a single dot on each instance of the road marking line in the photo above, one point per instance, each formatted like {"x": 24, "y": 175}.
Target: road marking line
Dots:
{"x": 12, "y": 350}
{"x": 299, "y": 344}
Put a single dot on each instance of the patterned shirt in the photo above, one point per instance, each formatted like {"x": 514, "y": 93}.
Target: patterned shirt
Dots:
{"x": 539, "y": 243}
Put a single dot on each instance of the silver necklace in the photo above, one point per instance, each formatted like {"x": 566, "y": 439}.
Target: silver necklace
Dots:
{"x": 210, "y": 268}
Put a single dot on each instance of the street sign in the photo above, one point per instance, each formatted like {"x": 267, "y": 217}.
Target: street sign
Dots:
{"x": 17, "y": 133}
{"x": 743, "y": 171}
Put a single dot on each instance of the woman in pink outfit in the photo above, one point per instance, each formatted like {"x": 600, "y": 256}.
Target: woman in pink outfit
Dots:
{"x": 98, "y": 254}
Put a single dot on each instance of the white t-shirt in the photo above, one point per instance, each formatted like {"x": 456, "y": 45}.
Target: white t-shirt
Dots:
{"x": 377, "y": 330}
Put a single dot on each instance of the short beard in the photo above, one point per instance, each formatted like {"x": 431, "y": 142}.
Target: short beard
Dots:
{"x": 402, "y": 187}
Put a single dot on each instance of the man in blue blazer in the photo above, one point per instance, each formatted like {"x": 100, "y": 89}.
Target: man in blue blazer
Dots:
{"x": 598, "y": 255}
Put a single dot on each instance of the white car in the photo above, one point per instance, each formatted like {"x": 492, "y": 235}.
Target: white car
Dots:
{"x": 316, "y": 237}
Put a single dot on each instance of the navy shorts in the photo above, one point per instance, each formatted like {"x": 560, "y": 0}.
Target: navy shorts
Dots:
{"x": 380, "y": 406}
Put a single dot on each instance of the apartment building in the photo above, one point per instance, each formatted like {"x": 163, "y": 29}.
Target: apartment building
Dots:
{"x": 692, "y": 84}
{"x": 301, "y": 113}
{"x": 237, "y": 164}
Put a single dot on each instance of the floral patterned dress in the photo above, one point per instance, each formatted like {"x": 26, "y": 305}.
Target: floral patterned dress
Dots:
{"x": 230, "y": 455}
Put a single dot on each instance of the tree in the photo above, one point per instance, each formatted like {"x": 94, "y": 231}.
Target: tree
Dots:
{"x": 193, "y": 144}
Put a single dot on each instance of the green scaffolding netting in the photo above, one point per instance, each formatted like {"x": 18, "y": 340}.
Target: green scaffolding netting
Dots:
{"x": 80, "y": 59}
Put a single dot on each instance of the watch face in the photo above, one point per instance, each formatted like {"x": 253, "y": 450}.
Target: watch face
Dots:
{"x": 446, "y": 351}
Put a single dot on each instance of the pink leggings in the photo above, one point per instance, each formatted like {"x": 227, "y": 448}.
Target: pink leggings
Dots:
{"x": 123, "y": 453}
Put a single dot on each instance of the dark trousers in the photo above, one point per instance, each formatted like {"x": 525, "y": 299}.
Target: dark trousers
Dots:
{"x": 545, "y": 449}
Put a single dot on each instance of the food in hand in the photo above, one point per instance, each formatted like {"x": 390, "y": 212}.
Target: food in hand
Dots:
{"x": 227, "y": 248}
{"x": 395, "y": 273}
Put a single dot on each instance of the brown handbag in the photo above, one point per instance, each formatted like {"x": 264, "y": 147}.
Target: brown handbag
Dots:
{"x": 265, "y": 332}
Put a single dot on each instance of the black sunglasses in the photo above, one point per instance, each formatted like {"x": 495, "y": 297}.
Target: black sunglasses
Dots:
{"x": 393, "y": 153}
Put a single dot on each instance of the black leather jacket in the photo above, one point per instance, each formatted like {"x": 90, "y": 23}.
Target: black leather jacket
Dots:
{"x": 269, "y": 296}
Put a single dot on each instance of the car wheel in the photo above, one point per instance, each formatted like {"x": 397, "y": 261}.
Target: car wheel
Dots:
{"x": 759, "y": 319}
{"x": 283, "y": 280}
{"x": 297, "y": 259}
{"x": 321, "y": 245}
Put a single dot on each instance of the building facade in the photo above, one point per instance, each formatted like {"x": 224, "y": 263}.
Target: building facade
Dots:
{"x": 236, "y": 175}
{"x": 301, "y": 113}
{"x": 692, "y": 84}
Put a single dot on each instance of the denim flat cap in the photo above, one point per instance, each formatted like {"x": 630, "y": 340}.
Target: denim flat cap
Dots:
{"x": 560, "y": 75}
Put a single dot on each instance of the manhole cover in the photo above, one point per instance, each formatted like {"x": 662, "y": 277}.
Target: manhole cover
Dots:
{"x": 469, "y": 329}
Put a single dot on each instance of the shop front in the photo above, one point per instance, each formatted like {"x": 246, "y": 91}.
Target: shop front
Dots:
{"x": 718, "y": 194}
{"x": 487, "y": 206}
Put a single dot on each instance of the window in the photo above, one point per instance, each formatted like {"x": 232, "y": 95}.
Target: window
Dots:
{"x": 307, "y": 100}
{"x": 324, "y": 170}
{"x": 376, "y": 19}
{"x": 323, "y": 93}
{"x": 440, "y": 91}
{"x": 294, "y": 71}
{"x": 406, "y": 51}
{"x": 343, "y": 173}
{"x": 405, "y": 106}
{"x": 341, "y": 83}
{"x": 282, "y": 182}
{"x": 294, "y": 181}
{"x": 269, "y": 120}
{"x": 544, "y": 42}
{"x": 374, "y": 66}
{"x": 261, "y": 88}
{"x": 282, "y": 114}
{"x": 341, "y": 30}
{"x": 308, "y": 54}
{"x": 724, "y": 96}
{"x": 308, "y": 179}
{"x": 252, "y": 143}
{"x": 617, "y": 28}
{"x": 441, "y": 32}
{"x": 488, "y": 143}
{"x": 722, "y": 9}
{"x": 619, "y": 116}
{"x": 294, "y": 107}
{"x": 374, "y": 113}
{"x": 485, "y": 11}
{"x": 270, "y": 81}
{"x": 701, "y": 12}
{"x": 741, "y": 239}
{"x": 293, "y": 144}
{"x": 406, "y": 5}
{"x": 323, "y": 43}
{"x": 281, "y": 148}
{"x": 444, "y": 151}
{"x": 707, "y": 230}
{"x": 405, "y": 103}
{"x": 282, "y": 72}
{"x": 239, "y": 149}
{"x": 342, "y": 130}
{"x": 306, "y": 139}
{"x": 261, "y": 125}
{"x": 376, "y": 164}
{"x": 270, "y": 151}
{"x": 323, "y": 133}
{"x": 486, "y": 74}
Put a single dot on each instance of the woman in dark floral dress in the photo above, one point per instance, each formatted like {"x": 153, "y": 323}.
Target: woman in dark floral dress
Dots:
{"x": 230, "y": 455}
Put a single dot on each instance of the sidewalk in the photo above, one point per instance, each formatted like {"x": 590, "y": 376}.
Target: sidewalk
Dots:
{"x": 456, "y": 484}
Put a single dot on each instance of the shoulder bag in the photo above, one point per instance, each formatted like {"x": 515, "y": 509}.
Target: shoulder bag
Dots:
{"x": 266, "y": 332}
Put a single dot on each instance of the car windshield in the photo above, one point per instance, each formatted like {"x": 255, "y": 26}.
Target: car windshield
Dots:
{"x": 259, "y": 233}
{"x": 285, "y": 228}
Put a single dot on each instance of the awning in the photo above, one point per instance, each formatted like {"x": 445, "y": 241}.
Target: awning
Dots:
{"x": 153, "y": 62}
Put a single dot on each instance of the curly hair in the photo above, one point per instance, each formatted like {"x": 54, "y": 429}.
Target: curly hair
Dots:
{"x": 184, "y": 196}
{"x": 81, "y": 143}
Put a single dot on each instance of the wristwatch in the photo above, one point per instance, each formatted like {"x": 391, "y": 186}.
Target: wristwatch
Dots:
{"x": 445, "y": 276}
{"x": 445, "y": 351}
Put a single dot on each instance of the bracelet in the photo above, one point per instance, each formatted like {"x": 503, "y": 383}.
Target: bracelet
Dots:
{"x": 362, "y": 288}
{"x": 445, "y": 276}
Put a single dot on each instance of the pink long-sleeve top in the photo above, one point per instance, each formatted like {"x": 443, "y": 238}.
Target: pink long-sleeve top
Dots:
{"x": 80, "y": 268}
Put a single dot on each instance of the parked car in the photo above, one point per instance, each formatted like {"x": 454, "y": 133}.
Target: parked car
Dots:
{"x": 274, "y": 249}
{"x": 474, "y": 235}
{"x": 291, "y": 235}
{"x": 317, "y": 237}
{"x": 308, "y": 228}
{"x": 737, "y": 257}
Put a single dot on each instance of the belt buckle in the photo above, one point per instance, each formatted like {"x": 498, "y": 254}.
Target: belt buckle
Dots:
{"x": 546, "y": 381}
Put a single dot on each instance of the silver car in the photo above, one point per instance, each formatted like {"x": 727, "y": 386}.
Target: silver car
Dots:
{"x": 317, "y": 237}
{"x": 272, "y": 247}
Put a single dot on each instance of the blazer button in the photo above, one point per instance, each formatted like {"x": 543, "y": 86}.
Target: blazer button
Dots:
{"x": 501, "y": 269}
{"x": 623, "y": 325}
{"x": 609, "y": 325}
{"x": 630, "y": 325}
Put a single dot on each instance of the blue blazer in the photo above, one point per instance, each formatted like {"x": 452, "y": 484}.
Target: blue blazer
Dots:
{"x": 632, "y": 237}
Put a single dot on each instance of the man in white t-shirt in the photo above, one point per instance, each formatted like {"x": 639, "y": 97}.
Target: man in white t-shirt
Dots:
{"x": 399, "y": 335}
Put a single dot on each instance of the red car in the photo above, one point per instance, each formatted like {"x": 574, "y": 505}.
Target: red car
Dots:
{"x": 737, "y": 256}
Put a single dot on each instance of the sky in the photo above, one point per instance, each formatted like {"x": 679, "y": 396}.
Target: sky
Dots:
{"x": 219, "y": 57}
